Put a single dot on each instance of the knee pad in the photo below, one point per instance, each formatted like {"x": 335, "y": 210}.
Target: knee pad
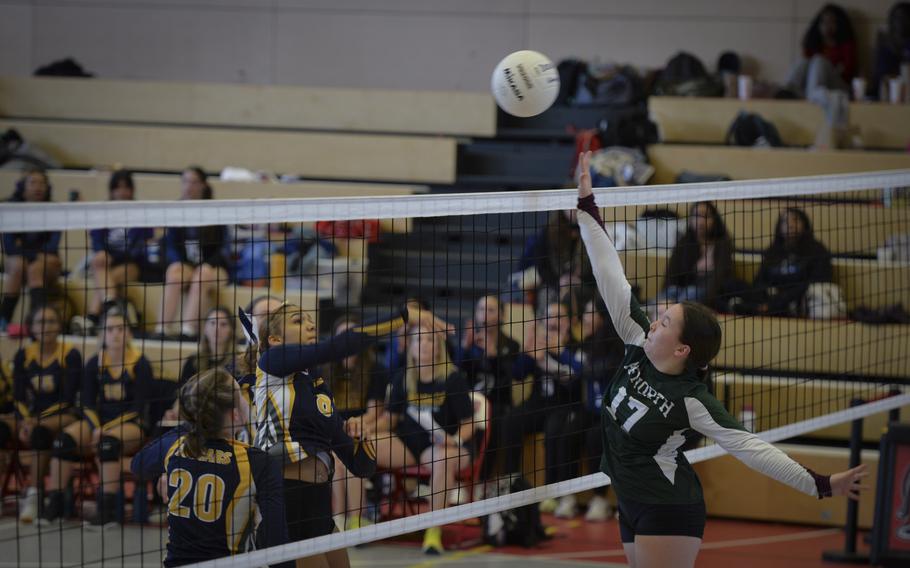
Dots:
{"x": 5, "y": 434}
{"x": 42, "y": 439}
{"x": 65, "y": 448}
{"x": 109, "y": 449}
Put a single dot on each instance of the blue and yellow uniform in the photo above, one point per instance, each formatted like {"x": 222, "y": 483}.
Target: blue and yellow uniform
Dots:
{"x": 42, "y": 389}
{"x": 109, "y": 400}
{"x": 217, "y": 501}
{"x": 296, "y": 419}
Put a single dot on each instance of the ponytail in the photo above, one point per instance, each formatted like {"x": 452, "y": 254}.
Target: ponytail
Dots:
{"x": 203, "y": 401}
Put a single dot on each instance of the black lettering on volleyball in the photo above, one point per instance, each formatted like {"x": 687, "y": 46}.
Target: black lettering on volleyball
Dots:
{"x": 510, "y": 79}
{"x": 524, "y": 76}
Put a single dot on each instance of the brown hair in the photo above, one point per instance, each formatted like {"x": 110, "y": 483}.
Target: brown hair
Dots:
{"x": 701, "y": 333}
{"x": 206, "y": 351}
{"x": 203, "y": 401}
{"x": 271, "y": 325}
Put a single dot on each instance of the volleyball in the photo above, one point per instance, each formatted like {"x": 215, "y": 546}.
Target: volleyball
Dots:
{"x": 525, "y": 83}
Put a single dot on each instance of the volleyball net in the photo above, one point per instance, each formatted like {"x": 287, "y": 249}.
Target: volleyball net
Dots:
{"x": 502, "y": 373}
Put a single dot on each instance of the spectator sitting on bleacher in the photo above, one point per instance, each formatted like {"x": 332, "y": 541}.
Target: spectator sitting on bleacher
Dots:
{"x": 359, "y": 385}
{"x": 487, "y": 355}
{"x": 119, "y": 256}
{"x": 196, "y": 262}
{"x": 552, "y": 260}
{"x": 31, "y": 258}
{"x": 115, "y": 395}
{"x": 7, "y": 418}
{"x": 254, "y": 247}
{"x": 601, "y": 352}
{"x": 431, "y": 415}
{"x": 793, "y": 262}
{"x": 829, "y": 55}
{"x": 892, "y": 46}
{"x": 545, "y": 392}
{"x": 701, "y": 264}
{"x": 217, "y": 345}
{"x": 46, "y": 380}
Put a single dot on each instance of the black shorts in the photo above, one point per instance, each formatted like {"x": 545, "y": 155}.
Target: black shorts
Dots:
{"x": 308, "y": 509}
{"x": 660, "y": 520}
{"x": 414, "y": 437}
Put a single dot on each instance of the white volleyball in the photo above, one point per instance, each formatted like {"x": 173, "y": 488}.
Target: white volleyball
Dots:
{"x": 525, "y": 83}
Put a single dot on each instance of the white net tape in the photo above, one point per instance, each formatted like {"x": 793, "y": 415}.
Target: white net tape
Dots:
{"x": 95, "y": 215}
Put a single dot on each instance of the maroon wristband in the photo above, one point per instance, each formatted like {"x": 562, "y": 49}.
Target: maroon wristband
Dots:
{"x": 822, "y": 483}
{"x": 588, "y": 205}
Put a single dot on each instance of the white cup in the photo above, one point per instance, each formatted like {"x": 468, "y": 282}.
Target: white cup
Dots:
{"x": 859, "y": 89}
{"x": 744, "y": 87}
{"x": 895, "y": 90}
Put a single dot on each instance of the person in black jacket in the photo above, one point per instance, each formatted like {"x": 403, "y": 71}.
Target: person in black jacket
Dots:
{"x": 196, "y": 262}
{"x": 793, "y": 262}
{"x": 701, "y": 264}
{"x": 30, "y": 258}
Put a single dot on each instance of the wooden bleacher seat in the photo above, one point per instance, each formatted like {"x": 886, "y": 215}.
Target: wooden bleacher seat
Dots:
{"x": 769, "y": 500}
{"x": 251, "y": 106}
{"x": 855, "y": 229}
{"x": 706, "y": 120}
{"x": 784, "y": 400}
{"x": 371, "y": 157}
{"x": 792, "y": 345}
{"x": 669, "y": 160}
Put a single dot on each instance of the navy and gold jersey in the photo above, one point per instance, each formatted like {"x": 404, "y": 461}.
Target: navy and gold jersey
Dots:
{"x": 6, "y": 390}
{"x": 216, "y": 501}
{"x": 295, "y": 413}
{"x": 43, "y": 389}
{"x": 106, "y": 398}
{"x": 448, "y": 401}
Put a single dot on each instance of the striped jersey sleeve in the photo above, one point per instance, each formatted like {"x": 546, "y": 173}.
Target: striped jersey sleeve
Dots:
{"x": 709, "y": 417}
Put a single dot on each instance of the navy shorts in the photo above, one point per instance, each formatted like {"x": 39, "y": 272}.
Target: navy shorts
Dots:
{"x": 660, "y": 520}
{"x": 308, "y": 508}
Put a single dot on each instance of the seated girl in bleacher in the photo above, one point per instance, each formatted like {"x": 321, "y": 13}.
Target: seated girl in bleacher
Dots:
{"x": 486, "y": 355}
{"x": 115, "y": 398}
{"x": 196, "y": 263}
{"x": 430, "y": 413}
{"x": 359, "y": 384}
{"x": 701, "y": 265}
{"x": 546, "y": 391}
{"x": 119, "y": 256}
{"x": 46, "y": 379}
{"x": 217, "y": 345}
{"x": 794, "y": 261}
{"x": 29, "y": 258}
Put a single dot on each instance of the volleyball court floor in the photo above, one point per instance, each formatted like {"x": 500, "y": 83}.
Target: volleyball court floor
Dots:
{"x": 575, "y": 544}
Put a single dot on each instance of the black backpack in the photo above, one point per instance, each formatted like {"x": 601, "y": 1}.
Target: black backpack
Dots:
{"x": 632, "y": 129}
{"x": 521, "y": 526}
{"x": 750, "y": 129}
{"x": 571, "y": 71}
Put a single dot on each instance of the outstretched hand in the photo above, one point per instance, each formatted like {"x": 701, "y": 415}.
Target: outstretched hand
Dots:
{"x": 849, "y": 482}
{"x": 584, "y": 175}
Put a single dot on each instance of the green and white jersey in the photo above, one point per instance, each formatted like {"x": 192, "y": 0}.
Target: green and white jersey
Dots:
{"x": 648, "y": 415}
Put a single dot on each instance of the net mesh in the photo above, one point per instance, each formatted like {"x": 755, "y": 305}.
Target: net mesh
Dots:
{"x": 500, "y": 371}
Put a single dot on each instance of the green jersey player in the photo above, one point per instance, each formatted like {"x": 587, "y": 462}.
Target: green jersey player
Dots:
{"x": 657, "y": 401}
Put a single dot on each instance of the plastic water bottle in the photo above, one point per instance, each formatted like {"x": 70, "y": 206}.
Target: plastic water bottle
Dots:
{"x": 747, "y": 417}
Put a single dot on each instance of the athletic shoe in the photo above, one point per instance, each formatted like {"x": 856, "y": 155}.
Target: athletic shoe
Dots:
{"x": 548, "y": 505}
{"x": 106, "y": 515}
{"x": 432, "y": 541}
{"x": 29, "y": 510}
{"x": 598, "y": 509}
{"x": 566, "y": 507}
{"x": 53, "y": 508}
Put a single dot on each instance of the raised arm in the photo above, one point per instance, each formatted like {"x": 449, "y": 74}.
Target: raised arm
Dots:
{"x": 629, "y": 320}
